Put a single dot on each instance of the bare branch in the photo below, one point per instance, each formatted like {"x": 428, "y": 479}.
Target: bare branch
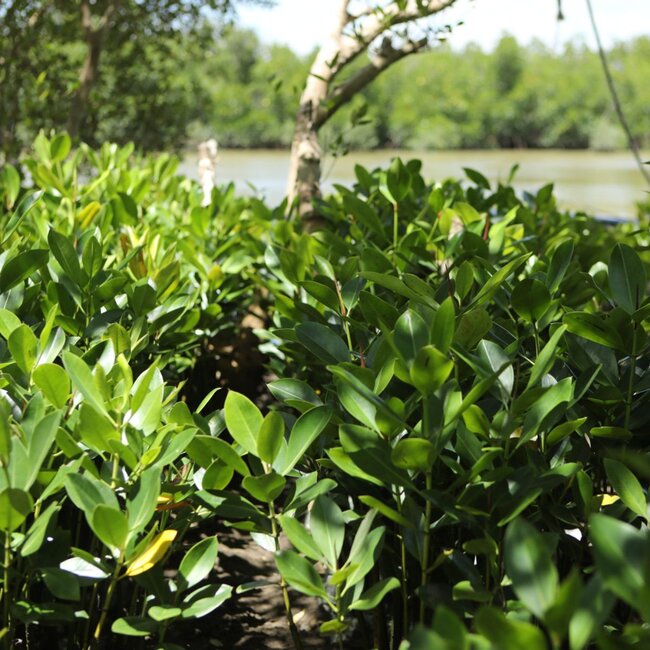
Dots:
{"x": 387, "y": 56}
{"x": 376, "y": 20}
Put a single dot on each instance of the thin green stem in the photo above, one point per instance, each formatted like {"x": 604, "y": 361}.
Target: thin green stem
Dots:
{"x": 295, "y": 635}
{"x": 395, "y": 227}
{"x": 425, "y": 549}
{"x": 404, "y": 581}
{"x": 630, "y": 383}
{"x": 6, "y": 622}
{"x": 107, "y": 601}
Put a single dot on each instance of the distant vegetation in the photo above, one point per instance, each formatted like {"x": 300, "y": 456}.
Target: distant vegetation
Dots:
{"x": 163, "y": 93}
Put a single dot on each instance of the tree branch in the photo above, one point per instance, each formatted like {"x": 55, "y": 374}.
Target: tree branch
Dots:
{"x": 377, "y": 20}
{"x": 387, "y": 56}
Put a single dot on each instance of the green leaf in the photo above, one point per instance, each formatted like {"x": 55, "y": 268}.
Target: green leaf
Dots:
{"x": 508, "y": 633}
{"x": 54, "y": 382}
{"x": 271, "y": 436}
{"x": 198, "y": 562}
{"x": 559, "y": 264}
{"x": 593, "y": 609}
{"x": 306, "y": 429}
{"x": 21, "y": 267}
{"x": 111, "y": 527}
{"x": 430, "y": 370}
{"x": 627, "y": 278}
{"x": 327, "y": 528}
{"x": 134, "y": 626}
{"x": 414, "y": 454}
{"x": 23, "y": 344}
{"x": 498, "y": 278}
{"x": 143, "y": 499}
{"x": 59, "y": 147}
{"x": 300, "y": 574}
{"x": 321, "y": 341}
{"x": 26, "y": 204}
{"x": 65, "y": 255}
{"x": 622, "y": 553}
{"x": 627, "y": 486}
{"x": 398, "y": 182}
{"x": 387, "y": 511}
{"x": 411, "y": 334}
{"x": 15, "y": 506}
{"x": 370, "y": 598}
{"x": 87, "y": 492}
{"x": 546, "y": 358}
{"x": 294, "y": 393}
{"x": 11, "y": 184}
{"x": 205, "y": 600}
{"x": 83, "y": 381}
{"x": 61, "y": 584}
{"x": 472, "y": 327}
{"x": 243, "y": 420}
{"x": 593, "y": 328}
{"x": 530, "y": 299}
{"x": 530, "y": 567}
{"x": 300, "y": 537}
{"x": 477, "y": 178}
{"x": 444, "y": 325}
{"x": 266, "y": 488}
{"x": 8, "y": 322}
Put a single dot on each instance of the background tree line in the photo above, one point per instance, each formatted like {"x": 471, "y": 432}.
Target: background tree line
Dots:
{"x": 163, "y": 88}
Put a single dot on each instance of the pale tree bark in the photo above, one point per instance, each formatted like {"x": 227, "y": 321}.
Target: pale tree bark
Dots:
{"x": 323, "y": 95}
{"x": 94, "y": 34}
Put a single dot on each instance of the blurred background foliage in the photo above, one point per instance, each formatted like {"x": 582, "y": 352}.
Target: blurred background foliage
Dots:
{"x": 165, "y": 89}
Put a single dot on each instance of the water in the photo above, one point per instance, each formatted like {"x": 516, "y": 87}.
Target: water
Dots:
{"x": 603, "y": 184}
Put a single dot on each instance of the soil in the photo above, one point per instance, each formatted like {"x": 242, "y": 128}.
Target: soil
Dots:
{"x": 255, "y": 619}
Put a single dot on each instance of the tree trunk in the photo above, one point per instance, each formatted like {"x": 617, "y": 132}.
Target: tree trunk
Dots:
{"x": 305, "y": 166}
{"x": 94, "y": 36}
{"x": 87, "y": 79}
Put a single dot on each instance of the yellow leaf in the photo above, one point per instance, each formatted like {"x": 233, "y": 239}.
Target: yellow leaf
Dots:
{"x": 88, "y": 213}
{"x": 608, "y": 499}
{"x": 152, "y": 554}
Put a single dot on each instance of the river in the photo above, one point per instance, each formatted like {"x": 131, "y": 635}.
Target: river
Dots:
{"x": 604, "y": 184}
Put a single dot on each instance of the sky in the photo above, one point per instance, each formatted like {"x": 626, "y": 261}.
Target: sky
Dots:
{"x": 301, "y": 24}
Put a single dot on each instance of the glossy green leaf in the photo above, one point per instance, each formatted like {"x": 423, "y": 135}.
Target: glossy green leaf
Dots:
{"x": 370, "y": 598}
{"x": 530, "y": 299}
{"x": 23, "y": 344}
{"x": 627, "y": 486}
{"x": 198, "y": 562}
{"x": 53, "y": 380}
{"x": 15, "y": 506}
{"x": 243, "y": 420}
{"x": 321, "y": 341}
{"x": 414, "y": 454}
{"x": 300, "y": 574}
{"x": 430, "y": 370}
{"x": 111, "y": 527}
{"x": 530, "y": 567}
{"x": 306, "y": 429}
{"x": 627, "y": 278}
{"x": 266, "y": 488}
{"x": 328, "y": 528}
{"x": 22, "y": 266}
{"x": 271, "y": 437}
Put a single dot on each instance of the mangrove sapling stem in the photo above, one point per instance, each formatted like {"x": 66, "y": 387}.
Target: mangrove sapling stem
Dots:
{"x": 425, "y": 548}
{"x": 630, "y": 383}
{"x": 395, "y": 227}
{"x": 6, "y": 622}
{"x": 404, "y": 581}
{"x": 107, "y": 601}
{"x": 295, "y": 635}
